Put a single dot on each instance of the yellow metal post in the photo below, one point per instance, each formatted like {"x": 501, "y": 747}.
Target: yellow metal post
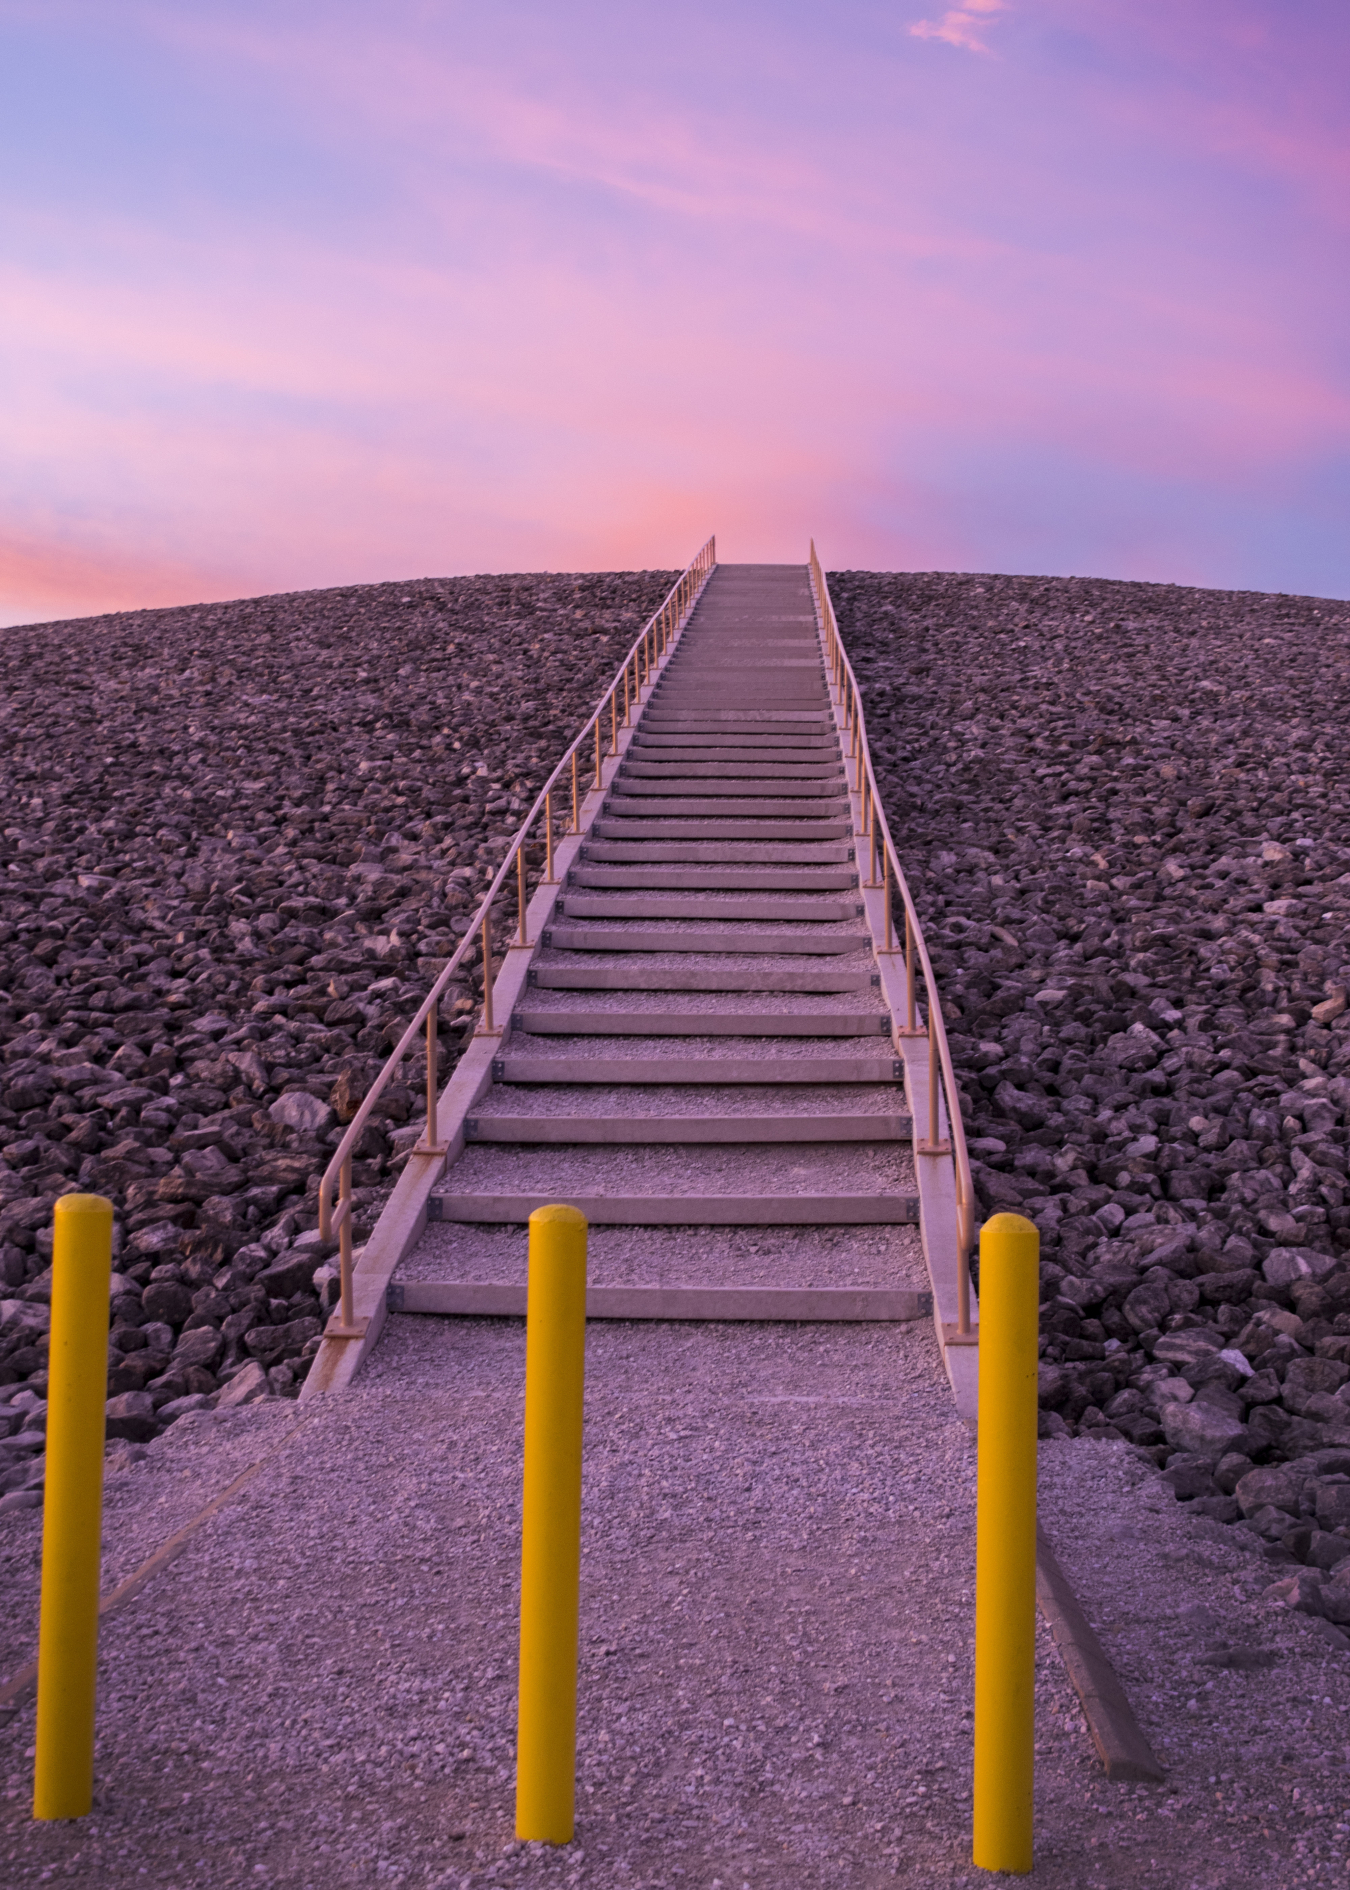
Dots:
{"x": 72, "y": 1524}
{"x": 1005, "y": 1549}
{"x": 550, "y": 1558}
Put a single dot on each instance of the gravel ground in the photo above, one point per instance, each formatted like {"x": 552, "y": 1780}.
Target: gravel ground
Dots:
{"x": 231, "y": 868}
{"x": 775, "y": 1641}
{"x": 1124, "y": 811}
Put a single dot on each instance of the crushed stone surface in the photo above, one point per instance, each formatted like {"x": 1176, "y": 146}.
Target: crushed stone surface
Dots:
{"x": 775, "y": 1667}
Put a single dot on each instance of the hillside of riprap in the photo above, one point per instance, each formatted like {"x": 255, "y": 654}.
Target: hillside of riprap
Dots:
{"x": 1126, "y": 810}
{"x": 239, "y": 840}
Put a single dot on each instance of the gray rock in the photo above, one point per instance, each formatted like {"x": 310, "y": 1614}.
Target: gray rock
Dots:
{"x": 1305, "y": 1593}
{"x": 1272, "y": 1485}
{"x": 1307, "y": 1377}
{"x": 300, "y": 1111}
{"x": 1147, "y": 1306}
{"x": 202, "y": 1346}
{"x": 1202, "y": 1430}
{"x": 245, "y": 1387}
{"x": 1283, "y": 1265}
{"x": 180, "y": 1407}
{"x": 1189, "y": 1476}
{"x": 289, "y": 1276}
{"x": 131, "y": 1414}
{"x": 167, "y": 1301}
{"x": 271, "y": 1344}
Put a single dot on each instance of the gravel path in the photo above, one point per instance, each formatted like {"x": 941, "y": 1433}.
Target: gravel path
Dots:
{"x": 230, "y": 869}
{"x": 776, "y": 1659}
{"x": 1125, "y": 811}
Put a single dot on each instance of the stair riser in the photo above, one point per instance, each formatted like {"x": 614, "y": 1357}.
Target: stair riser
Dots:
{"x": 650, "y": 827}
{"x": 784, "y": 1024}
{"x": 697, "y": 1131}
{"x": 694, "y": 1211}
{"x": 565, "y": 938}
{"x": 822, "y": 911}
{"x": 579, "y": 976}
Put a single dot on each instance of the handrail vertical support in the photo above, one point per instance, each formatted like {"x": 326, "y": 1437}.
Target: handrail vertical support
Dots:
{"x": 428, "y": 1144}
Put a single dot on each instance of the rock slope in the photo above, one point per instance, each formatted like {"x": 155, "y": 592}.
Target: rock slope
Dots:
{"x": 239, "y": 841}
{"x": 1125, "y": 811}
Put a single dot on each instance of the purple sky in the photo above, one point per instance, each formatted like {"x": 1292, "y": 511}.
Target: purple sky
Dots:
{"x": 296, "y": 294}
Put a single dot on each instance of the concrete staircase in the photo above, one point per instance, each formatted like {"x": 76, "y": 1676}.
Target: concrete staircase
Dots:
{"x": 701, "y": 1040}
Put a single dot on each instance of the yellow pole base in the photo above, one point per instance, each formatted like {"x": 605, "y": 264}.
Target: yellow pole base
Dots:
{"x": 550, "y": 1560}
{"x": 1005, "y": 1554}
{"x": 72, "y": 1523}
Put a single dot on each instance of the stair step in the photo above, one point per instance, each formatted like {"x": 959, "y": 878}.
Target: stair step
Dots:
{"x": 628, "y": 1129}
{"x": 521, "y": 1067}
{"x": 599, "y": 938}
{"x": 821, "y": 910}
{"x": 634, "y": 974}
{"x": 733, "y": 747}
{"x": 544, "y": 1023}
{"x": 768, "y": 853}
{"x": 725, "y": 768}
{"x": 660, "y": 720}
{"x": 670, "y": 786}
{"x": 486, "y": 1299}
{"x": 693, "y": 1210}
{"x": 730, "y": 807}
{"x": 710, "y": 879}
{"x": 649, "y": 827}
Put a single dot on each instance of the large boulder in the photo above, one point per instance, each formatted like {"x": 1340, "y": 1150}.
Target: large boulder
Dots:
{"x": 1283, "y": 1265}
{"x": 202, "y": 1346}
{"x": 298, "y": 1110}
{"x": 132, "y": 1415}
{"x": 1202, "y": 1429}
{"x": 1306, "y": 1377}
{"x": 271, "y": 1344}
{"x": 1274, "y": 1485}
{"x": 167, "y": 1300}
{"x": 290, "y": 1276}
{"x": 245, "y": 1387}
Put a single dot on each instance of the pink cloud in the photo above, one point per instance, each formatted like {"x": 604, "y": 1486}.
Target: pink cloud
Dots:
{"x": 962, "y": 26}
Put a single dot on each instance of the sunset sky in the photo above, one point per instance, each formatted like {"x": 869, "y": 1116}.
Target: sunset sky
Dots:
{"x": 297, "y": 294}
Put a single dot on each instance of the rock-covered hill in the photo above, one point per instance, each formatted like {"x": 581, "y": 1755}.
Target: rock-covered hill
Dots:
{"x": 1125, "y": 812}
{"x": 238, "y": 842}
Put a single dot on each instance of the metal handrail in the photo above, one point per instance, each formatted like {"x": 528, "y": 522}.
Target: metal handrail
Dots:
{"x": 881, "y": 851}
{"x": 630, "y": 679}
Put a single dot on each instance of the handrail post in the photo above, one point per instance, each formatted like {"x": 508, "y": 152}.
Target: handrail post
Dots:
{"x": 345, "y": 1299}
{"x": 911, "y": 1008}
{"x": 614, "y": 721}
{"x": 548, "y": 838}
{"x": 429, "y": 1145}
{"x": 520, "y": 894}
{"x": 597, "y": 752}
{"x": 489, "y": 1029}
{"x": 576, "y": 800}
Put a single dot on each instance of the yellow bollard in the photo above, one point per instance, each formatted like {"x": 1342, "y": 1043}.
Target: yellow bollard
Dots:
{"x": 72, "y": 1523}
{"x": 1005, "y": 1553}
{"x": 550, "y": 1557}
